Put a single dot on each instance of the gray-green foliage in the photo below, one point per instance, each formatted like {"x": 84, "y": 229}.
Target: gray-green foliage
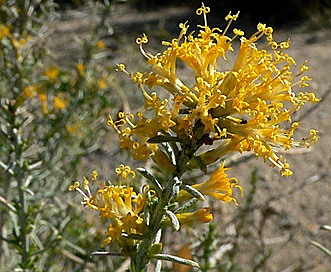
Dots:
{"x": 50, "y": 117}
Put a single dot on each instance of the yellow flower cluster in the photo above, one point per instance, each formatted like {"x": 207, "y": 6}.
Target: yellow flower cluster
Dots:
{"x": 120, "y": 205}
{"x": 124, "y": 209}
{"x": 246, "y": 108}
{"x": 59, "y": 101}
{"x": 4, "y": 31}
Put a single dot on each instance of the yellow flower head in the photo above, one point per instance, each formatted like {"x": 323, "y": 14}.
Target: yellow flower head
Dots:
{"x": 118, "y": 204}
{"x": 250, "y": 105}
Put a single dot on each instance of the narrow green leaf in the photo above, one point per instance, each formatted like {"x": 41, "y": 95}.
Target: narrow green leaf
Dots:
{"x": 176, "y": 187}
{"x": 323, "y": 248}
{"x": 158, "y": 266}
{"x": 151, "y": 178}
{"x": 27, "y": 190}
{"x": 105, "y": 253}
{"x": 174, "y": 220}
{"x": 176, "y": 259}
{"x": 171, "y": 150}
{"x": 75, "y": 247}
{"x": 147, "y": 215}
{"x": 193, "y": 192}
{"x": 201, "y": 164}
{"x": 8, "y": 204}
{"x": 162, "y": 138}
{"x": 155, "y": 249}
{"x": 7, "y": 168}
{"x": 133, "y": 236}
{"x": 325, "y": 227}
{"x": 186, "y": 205}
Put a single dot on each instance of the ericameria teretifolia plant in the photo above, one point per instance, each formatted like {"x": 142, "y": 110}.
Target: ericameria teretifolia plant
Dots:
{"x": 247, "y": 108}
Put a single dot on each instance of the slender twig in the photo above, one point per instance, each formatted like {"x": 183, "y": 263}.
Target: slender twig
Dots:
{"x": 22, "y": 201}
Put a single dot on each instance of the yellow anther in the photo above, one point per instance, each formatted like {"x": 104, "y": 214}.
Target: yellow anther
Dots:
{"x": 142, "y": 40}
{"x": 232, "y": 17}
{"x": 74, "y": 186}
{"x": 120, "y": 67}
{"x": 238, "y": 32}
{"x": 94, "y": 175}
{"x": 203, "y": 9}
{"x": 304, "y": 67}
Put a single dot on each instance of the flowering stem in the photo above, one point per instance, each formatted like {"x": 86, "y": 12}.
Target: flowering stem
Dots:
{"x": 141, "y": 259}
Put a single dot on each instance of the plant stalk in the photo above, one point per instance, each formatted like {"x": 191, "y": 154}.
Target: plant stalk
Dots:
{"x": 141, "y": 259}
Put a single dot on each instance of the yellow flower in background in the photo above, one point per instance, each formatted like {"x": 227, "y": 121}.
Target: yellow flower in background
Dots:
{"x": 4, "y": 31}
{"x": 60, "y": 102}
{"x": 18, "y": 44}
{"x": 75, "y": 128}
{"x": 102, "y": 84}
{"x": 80, "y": 69}
{"x": 245, "y": 108}
{"x": 52, "y": 73}
{"x": 72, "y": 128}
{"x": 100, "y": 44}
{"x": 31, "y": 90}
{"x": 117, "y": 204}
{"x": 43, "y": 100}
